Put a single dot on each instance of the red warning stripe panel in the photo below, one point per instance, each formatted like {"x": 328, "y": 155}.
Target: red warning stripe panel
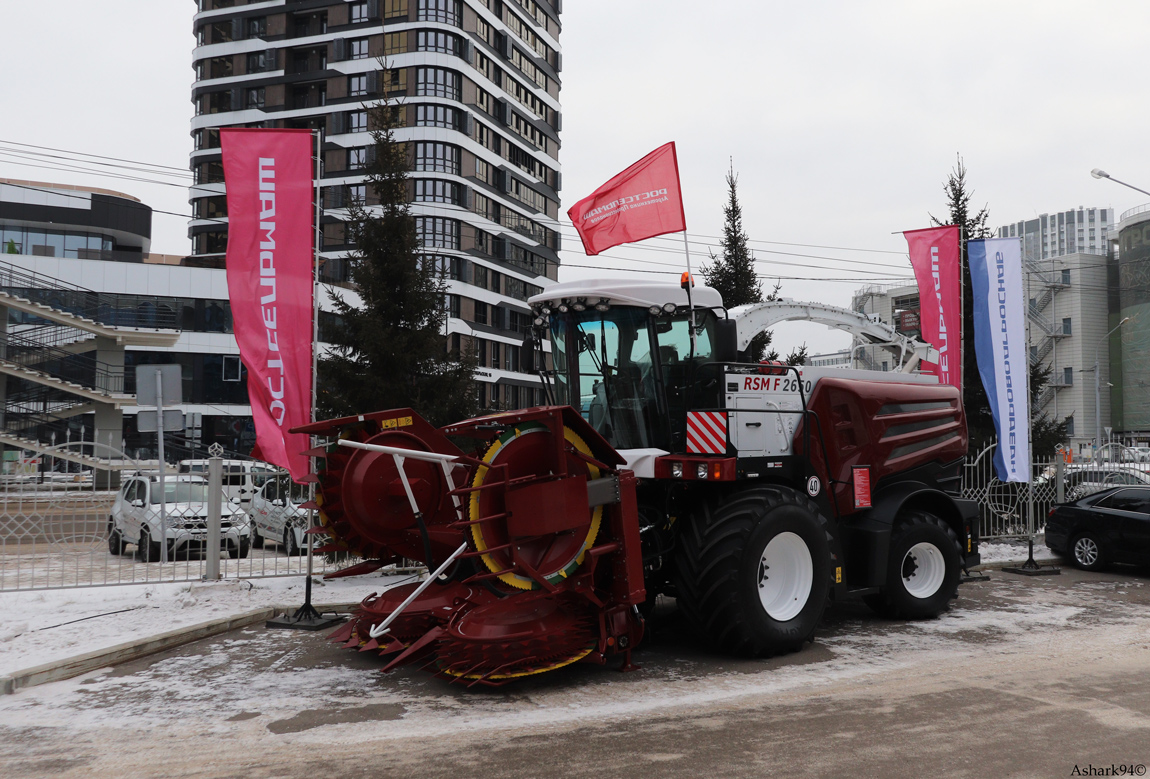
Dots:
{"x": 706, "y": 432}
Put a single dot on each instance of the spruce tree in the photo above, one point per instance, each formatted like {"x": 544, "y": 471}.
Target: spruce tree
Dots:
{"x": 734, "y": 276}
{"x": 391, "y": 351}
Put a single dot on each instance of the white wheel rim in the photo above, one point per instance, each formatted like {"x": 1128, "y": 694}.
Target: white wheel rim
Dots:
{"x": 923, "y": 570}
{"x": 786, "y": 576}
{"x": 1086, "y": 551}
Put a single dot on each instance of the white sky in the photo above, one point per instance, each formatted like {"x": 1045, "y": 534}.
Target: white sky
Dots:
{"x": 843, "y": 117}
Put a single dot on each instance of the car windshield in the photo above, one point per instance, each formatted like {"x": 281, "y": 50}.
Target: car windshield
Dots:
{"x": 180, "y": 492}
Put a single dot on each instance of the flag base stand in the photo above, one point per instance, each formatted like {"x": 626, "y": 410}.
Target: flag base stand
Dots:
{"x": 1032, "y": 568}
{"x": 305, "y": 617}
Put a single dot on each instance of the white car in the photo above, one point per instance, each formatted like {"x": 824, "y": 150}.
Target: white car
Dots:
{"x": 277, "y": 516}
{"x": 135, "y": 517}
{"x": 242, "y": 478}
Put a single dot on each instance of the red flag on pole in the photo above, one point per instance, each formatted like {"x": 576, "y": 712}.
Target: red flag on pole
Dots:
{"x": 935, "y": 255}
{"x": 641, "y": 202}
{"x": 269, "y": 263}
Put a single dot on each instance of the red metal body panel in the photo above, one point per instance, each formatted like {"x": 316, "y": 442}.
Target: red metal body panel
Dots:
{"x": 888, "y": 426}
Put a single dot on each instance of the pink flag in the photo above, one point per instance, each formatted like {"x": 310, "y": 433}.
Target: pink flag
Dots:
{"x": 935, "y": 256}
{"x": 641, "y": 202}
{"x": 270, "y": 257}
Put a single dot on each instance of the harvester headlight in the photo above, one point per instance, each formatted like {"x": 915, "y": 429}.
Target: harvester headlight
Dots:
{"x": 563, "y": 308}
{"x": 668, "y": 308}
{"x": 603, "y": 305}
{"x": 540, "y": 321}
{"x": 701, "y": 471}
{"x": 676, "y": 470}
{"x": 545, "y": 309}
{"x": 579, "y": 305}
{"x": 655, "y": 310}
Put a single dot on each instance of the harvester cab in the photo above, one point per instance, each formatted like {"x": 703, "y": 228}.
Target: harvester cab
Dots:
{"x": 663, "y": 463}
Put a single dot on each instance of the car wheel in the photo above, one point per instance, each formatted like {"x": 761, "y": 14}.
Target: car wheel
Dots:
{"x": 291, "y": 548}
{"x": 257, "y": 541}
{"x": 147, "y": 549}
{"x": 115, "y": 539}
{"x": 1086, "y": 551}
{"x": 239, "y": 551}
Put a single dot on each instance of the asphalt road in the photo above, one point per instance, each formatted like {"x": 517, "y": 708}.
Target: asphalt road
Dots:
{"x": 1023, "y": 677}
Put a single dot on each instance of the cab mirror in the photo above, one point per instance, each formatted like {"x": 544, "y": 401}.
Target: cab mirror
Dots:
{"x": 588, "y": 344}
{"x": 726, "y": 341}
{"x": 527, "y": 355}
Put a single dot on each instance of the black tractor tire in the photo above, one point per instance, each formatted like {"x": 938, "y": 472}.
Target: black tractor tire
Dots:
{"x": 1087, "y": 553}
{"x": 147, "y": 549}
{"x": 720, "y": 571}
{"x": 116, "y": 543}
{"x": 936, "y": 556}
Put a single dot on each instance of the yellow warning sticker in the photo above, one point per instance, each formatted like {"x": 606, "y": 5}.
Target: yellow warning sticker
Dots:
{"x": 838, "y": 575}
{"x": 405, "y": 421}
{"x": 387, "y": 424}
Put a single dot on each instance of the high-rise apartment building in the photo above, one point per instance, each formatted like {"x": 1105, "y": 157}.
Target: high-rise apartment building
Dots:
{"x": 476, "y": 85}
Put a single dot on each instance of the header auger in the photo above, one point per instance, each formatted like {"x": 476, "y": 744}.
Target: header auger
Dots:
{"x": 667, "y": 464}
{"x": 542, "y": 567}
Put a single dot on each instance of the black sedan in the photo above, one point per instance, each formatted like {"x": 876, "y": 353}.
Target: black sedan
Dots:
{"x": 1112, "y": 526}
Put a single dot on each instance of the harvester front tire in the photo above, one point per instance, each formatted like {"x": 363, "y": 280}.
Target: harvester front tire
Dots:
{"x": 753, "y": 571}
{"x": 923, "y": 569}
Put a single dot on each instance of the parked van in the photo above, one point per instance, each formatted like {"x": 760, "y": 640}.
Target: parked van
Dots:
{"x": 242, "y": 478}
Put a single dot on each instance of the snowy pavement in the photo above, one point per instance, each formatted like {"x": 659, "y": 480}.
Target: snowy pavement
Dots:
{"x": 33, "y": 629}
{"x": 1023, "y": 676}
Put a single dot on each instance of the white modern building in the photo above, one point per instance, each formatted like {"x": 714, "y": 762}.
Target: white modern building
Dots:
{"x": 476, "y": 83}
{"x": 1077, "y": 231}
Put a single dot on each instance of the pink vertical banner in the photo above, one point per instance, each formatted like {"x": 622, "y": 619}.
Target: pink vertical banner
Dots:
{"x": 935, "y": 255}
{"x": 269, "y": 262}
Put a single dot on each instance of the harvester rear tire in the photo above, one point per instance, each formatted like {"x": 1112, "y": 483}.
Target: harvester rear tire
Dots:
{"x": 924, "y": 567}
{"x": 722, "y": 582}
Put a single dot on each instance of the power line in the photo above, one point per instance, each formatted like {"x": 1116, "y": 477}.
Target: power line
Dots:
{"x": 97, "y": 156}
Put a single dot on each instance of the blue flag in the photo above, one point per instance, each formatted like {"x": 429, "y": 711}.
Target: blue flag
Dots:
{"x": 1001, "y": 349}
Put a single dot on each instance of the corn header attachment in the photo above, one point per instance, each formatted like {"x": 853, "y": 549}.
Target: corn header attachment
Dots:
{"x": 532, "y": 538}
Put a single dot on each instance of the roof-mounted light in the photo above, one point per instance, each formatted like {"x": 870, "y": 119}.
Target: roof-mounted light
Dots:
{"x": 669, "y": 308}
{"x": 603, "y": 305}
{"x": 655, "y": 310}
{"x": 579, "y": 305}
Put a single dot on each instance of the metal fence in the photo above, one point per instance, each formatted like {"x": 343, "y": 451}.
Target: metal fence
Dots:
{"x": 92, "y": 517}
{"x": 1004, "y": 507}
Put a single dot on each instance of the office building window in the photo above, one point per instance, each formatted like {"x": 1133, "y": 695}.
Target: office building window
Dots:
{"x": 1070, "y": 426}
{"x": 437, "y": 232}
{"x": 437, "y": 191}
{"x": 255, "y": 98}
{"x": 445, "y": 11}
{"x": 357, "y": 85}
{"x": 480, "y": 313}
{"x": 1065, "y": 275}
{"x": 1067, "y": 329}
{"x": 357, "y": 49}
{"x": 357, "y": 158}
{"x": 441, "y": 42}
{"x": 1068, "y": 377}
{"x": 437, "y": 82}
{"x": 231, "y": 367}
{"x": 258, "y": 62}
{"x": 439, "y": 157}
{"x": 358, "y": 13}
{"x": 437, "y": 116}
{"x": 357, "y": 122}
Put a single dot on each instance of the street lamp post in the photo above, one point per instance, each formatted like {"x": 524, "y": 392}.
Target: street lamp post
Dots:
{"x": 1098, "y": 173}
{"x": 1098, "y": 393}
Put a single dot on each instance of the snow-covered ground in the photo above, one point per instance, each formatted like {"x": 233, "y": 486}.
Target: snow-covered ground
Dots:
{"x": 32, "y": 629}
{"x": 994, "y": 552}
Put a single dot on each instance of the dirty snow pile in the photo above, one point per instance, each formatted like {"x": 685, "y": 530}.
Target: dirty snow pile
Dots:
{"x": 1013, "y": 551}
{"x": 33, "y": 629}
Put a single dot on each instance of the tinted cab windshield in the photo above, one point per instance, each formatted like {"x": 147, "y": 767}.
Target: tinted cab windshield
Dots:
{"x": 633, "y": 375}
